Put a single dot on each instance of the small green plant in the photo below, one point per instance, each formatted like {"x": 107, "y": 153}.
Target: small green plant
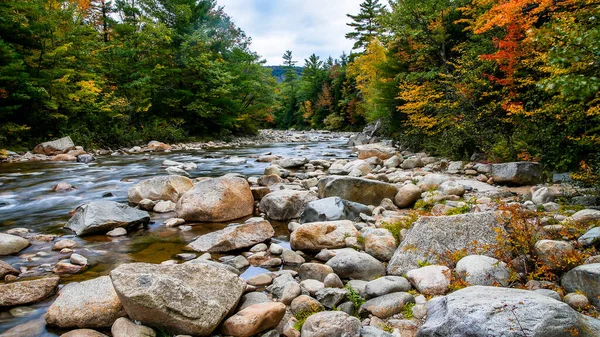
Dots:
{"x": 360, "y": 239}
{"x": 396, "y": 227}
{"x": 386, "y": 327}
{"x": 459, "y": 210}
{"x": 422, "y": 263}
{"x": 354, "y": 297}
{"x": 407, "y": 310}
{"x": 303, "y": 315}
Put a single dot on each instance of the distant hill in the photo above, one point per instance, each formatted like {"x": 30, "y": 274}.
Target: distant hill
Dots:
{"x": 279, "y": 71}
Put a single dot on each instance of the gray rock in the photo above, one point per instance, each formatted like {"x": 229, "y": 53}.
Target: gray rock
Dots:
{"x": 591, "y": 237}
{"x": 491, "y": 311}
{"x": 279, "y": 283}
{"x": 541, "y": 195}
{"x": 350, "y": 264}
{"x": 251, "y": 299}
{"x": 85, "y": 158}
{"x": 89, "y": 304}
{"x": 314, "y": 271}
{"x": 517, "y": 173}
{"x": 179, "y": 299}
{"x": 585, "y": 279}
{"x": 387, "y": 305}
{"x": 331, "y": 324}
{"x": 480, "y": 270}
{"x": 79, "y": 260}
{"x": 57, "y": 146}
{"x": 371, "y": 331}
{"x": 332, "y": 209}
{"x": 431, "y": 236}
{"x": 164, "y": 207}
{"x": 126, "y": 328}
{"x": 12, "y": 244}
{"x": 103, "y": 216}
{"x": 170, "y": 188}
{"x": 333, "y": 281}
{"x": 223, "y": 266}
{"x": 586, "y": 215}
{"x": 430, "y": 280}
{"x": 290, "y": 162}
{"x": 364, "y": 191}
{"x": 290, "y": 257}
{"x": 386, "y": 285}
{"x": 253, "y": 231}
{"x": 291, "y": 290}
{"x": 550, "y": 293}
{"x": 25, "y": 292}
{"x": 286, "y": 204}
{"x": 331, "y": 297}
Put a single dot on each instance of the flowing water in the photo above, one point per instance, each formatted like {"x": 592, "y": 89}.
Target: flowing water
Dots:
{"x": 27, "y": 201}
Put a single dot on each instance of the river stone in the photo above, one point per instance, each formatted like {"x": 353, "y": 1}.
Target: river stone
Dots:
{"x": 314, "y": 271}
{"x": 330, "y": 297}
{"x": 430, "y": 280}
{"x": 83, "y": 333}
{"x": 380, "y": 243}
{"x": 432, "y": 182}
{"x": 7, "y": 269}
{"x": 586, "y": 215}
{"x": 387, "y": 305}
{"x": 160, "y": 188}
{"x": 332, "y": 209}
{"x": 25, "y": 292}
{"x": 350, "y": 264}
{"x": 179, "y": 299}
{"x": 379, "y": 150}
{"x": 492, "y": 311}
{"x": 11, "y": 244}
{"x": 285, "y": 204}
{"x": 57, "y": 146}
{"x": 585, "y": 279}
{"x": 407, "y": 196}
{"x": 386, "y": 285}
{"x": 85, "y": 158}
{"x": 254, "y": 319}
{"x": 305, "y": 303}
{"x": 331, "y": 324}
{"x": 126, "y": 328}
{"x": 279, "y": 284}
{"x": 103, "y": 216}
{"x": 333, "y": 281}
{"x": 591, "y": 237}
{"x": 290, "y": 162}
{"x": 431, "y": 237}
{"x": 517, "y": 173}
{"x": 253, "y": 231}
{"x": 319, "y": 235}
{"x": 88, "y": 304}
{"x": 481, "y": 270}
{"x": 216, "y": 200}
{"x": 364, "y": 191}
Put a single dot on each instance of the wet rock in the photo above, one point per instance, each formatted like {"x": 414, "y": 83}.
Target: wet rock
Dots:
{"x": 63, "y": 187}
{"x": 332, "y": 209}
{"x": 85, "y": 158}
{"x": 54, "y": 147}
{"x": 217, "y": 200}
{"x": 65, "y": 243}
{"x": 387, "y": 305}
{"x": 480, "y": 270}
{"x": 22, "y": 311}
{"x": 491, "y": 311}
{"x": 436, "y": 236}
{"x": 164, "y": 207}
{"x": 117, "y": 232}
{"x": 430, "y": 280}
{"x": 25, "y": 292}
{"x": 386, "y": 285}
{"x": 253, "y": 231}
{"x": 170, "y": 188}
{"x": 287, "y": 163}
{"x": 12, "y": 244}
{"x": 126, "y": 328}
{"x": 285, "y": 204}
{"x": 103, "y": 216}
{"x": 33, "y": 328}
{"x": 585, "y": 279}
{"x": 364, "y": 191}
{"x": 78, "y": 260}
{"x": 407, "y": 196}
{"x": 254, "y": 319}
{"x": 7, "y": 269}
{"x": 176, "y": 171}
{"x": 314, "y": 271}
{"x": 88, "y": 304}
{"x": 517, "y": 173}
{"x": 331, "y": 324}
{"x": 319, "y": 235}
{"x": 180, "y": 299}
{"x": 350, "y": 264}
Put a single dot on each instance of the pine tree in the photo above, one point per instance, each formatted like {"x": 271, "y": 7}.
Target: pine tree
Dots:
{"x": 365, "y": 23}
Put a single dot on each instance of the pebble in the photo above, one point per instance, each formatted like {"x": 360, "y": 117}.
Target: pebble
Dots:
{"x": 79, "y": 260}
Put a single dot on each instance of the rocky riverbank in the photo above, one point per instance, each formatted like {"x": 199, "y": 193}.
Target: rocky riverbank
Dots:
{"x": 386, "y": 243}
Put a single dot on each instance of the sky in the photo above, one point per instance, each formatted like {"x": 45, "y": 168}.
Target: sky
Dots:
{"x": 302, "y": 26}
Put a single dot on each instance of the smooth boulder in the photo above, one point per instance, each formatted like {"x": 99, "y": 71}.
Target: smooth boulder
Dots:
{"x": 54, "y": 147}
{"x": 25, "y": 292}
{"x": 285, "y": 204}
{"x": 254, "y": 319}
{"x": 584, "y": 279}
{"x": 321, "y": 235}
{"x": 331, "y": 324}
{"x": 253, "y": 231}
{"x": 11, "y": 244}
{"x": 363, "y": 191}
{"x": 169, "y": 188}
{"x": 517, "y": 173}
{"x": 350, "y": 264}
{"x": 332, "y": 209}
{"x": 103, "y": 216}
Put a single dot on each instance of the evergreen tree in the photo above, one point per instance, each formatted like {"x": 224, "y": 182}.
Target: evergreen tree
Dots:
{"x": 366, "y": 23}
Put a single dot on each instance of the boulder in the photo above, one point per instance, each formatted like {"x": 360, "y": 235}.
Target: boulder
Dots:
{"x": 126, "y": 328}
{"x": 88, "y": 304}
{"x": 320, "y": 235}
{"x": 103, "y": 216}
{"x": 517, "y": 173}
{"x": 290, "y": 162}
{"x": 189, "y": 299}
{"x": 387, "y": 305}
{"x": 430, "y": 280}
{"x": 330, "y": 297}
{"x": 332, "y": 209}
{"x": 285, "y": 204}
{"x": 432, "y": 182}
{"x": 314, "y": 271}
{"x": 350, "y": 264}
{"x": 432, "y": 237}
{"x": 7, "y": 269}
{"x": 491, "y": 311}
{"x": 12, "y": 244}
{"x": 386, "y": 285}
{"x": 331, "y": 324}
{"x": 85, "y": 158}
{"x": 555, "y": 254}
{"x": 254, "y": 319}
{"x": 158, "y": 146}
{"x": 83, "y": 333}
{"x": 584, "y": 279}
{"x": 253, "y": 231}
{"x": 407, "y": 196}
{"x": 160, "y": 188}
{"x": 379, "y": 150}
{"x": 380, "y": 243}
{"x": 25, "y": 292}
{"x": 591, "y": 237}
{"x": 586, "y": 215}
{"x": 481, "y": 270}
{"x": 216, "y": 200}
{"x": 364, "y": 191}
{"x": 54, "y": 147}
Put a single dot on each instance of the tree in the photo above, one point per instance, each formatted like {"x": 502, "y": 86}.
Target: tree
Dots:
{"x": 366, "y": 23}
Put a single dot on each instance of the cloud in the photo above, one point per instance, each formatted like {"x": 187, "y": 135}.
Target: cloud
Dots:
{"x": 302, "y": 26}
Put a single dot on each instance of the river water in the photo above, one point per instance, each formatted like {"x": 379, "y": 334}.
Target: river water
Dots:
{"x": 27, "y": 201}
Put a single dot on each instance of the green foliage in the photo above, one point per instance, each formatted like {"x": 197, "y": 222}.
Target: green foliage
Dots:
{"x": 354, "y": 297}
{"x": 303, "y": 315}
{"x": 422, "y": 264}
{"x": 407, "y": 310}
{"x": 366, "y": 24}
{"x": 463, "y": 209}
{"x": 396, "y": 227}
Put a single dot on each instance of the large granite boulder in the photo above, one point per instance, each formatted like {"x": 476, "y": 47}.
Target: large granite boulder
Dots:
{"x": 585, "y": 279}
{"x": 517, "y": 173}
{"x": 320, "y": 235}
{"x": 331, "y": 324}
{"x": 12, "y": 244}
{"x": 58, "y": 146}
{"x": 491, "y": 311}
{"x": 160, "y": 188}
{"x": 481, "y": 270}
{"x": 350, "y": 264}
{"x": 26, "y": 292}
{"x": 216, "y": 200}
{"x": 364, "y": 191}
{"x": 432, "y": 237}
{"x": 253, "y": 231}
{"x": 370, "y": 134}
{"x": 285, "y": 204}
{"x": 103, "y": 216}
{"x": 332, "y": 209}
{"x": 89, "y": 304}
{"x": 189, "y": 299}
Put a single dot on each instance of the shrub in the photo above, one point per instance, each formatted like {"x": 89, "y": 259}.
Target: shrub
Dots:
{"x": 354, "y": 297}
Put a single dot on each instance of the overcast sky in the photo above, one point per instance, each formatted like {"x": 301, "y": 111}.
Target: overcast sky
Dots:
{"x": 302, "y": 26}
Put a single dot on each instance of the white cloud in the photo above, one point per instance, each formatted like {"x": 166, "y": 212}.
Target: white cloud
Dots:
{"x": 302, "y": 26}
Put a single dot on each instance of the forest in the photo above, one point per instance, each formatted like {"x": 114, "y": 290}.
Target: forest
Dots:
{"x": 507, "y": 79}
